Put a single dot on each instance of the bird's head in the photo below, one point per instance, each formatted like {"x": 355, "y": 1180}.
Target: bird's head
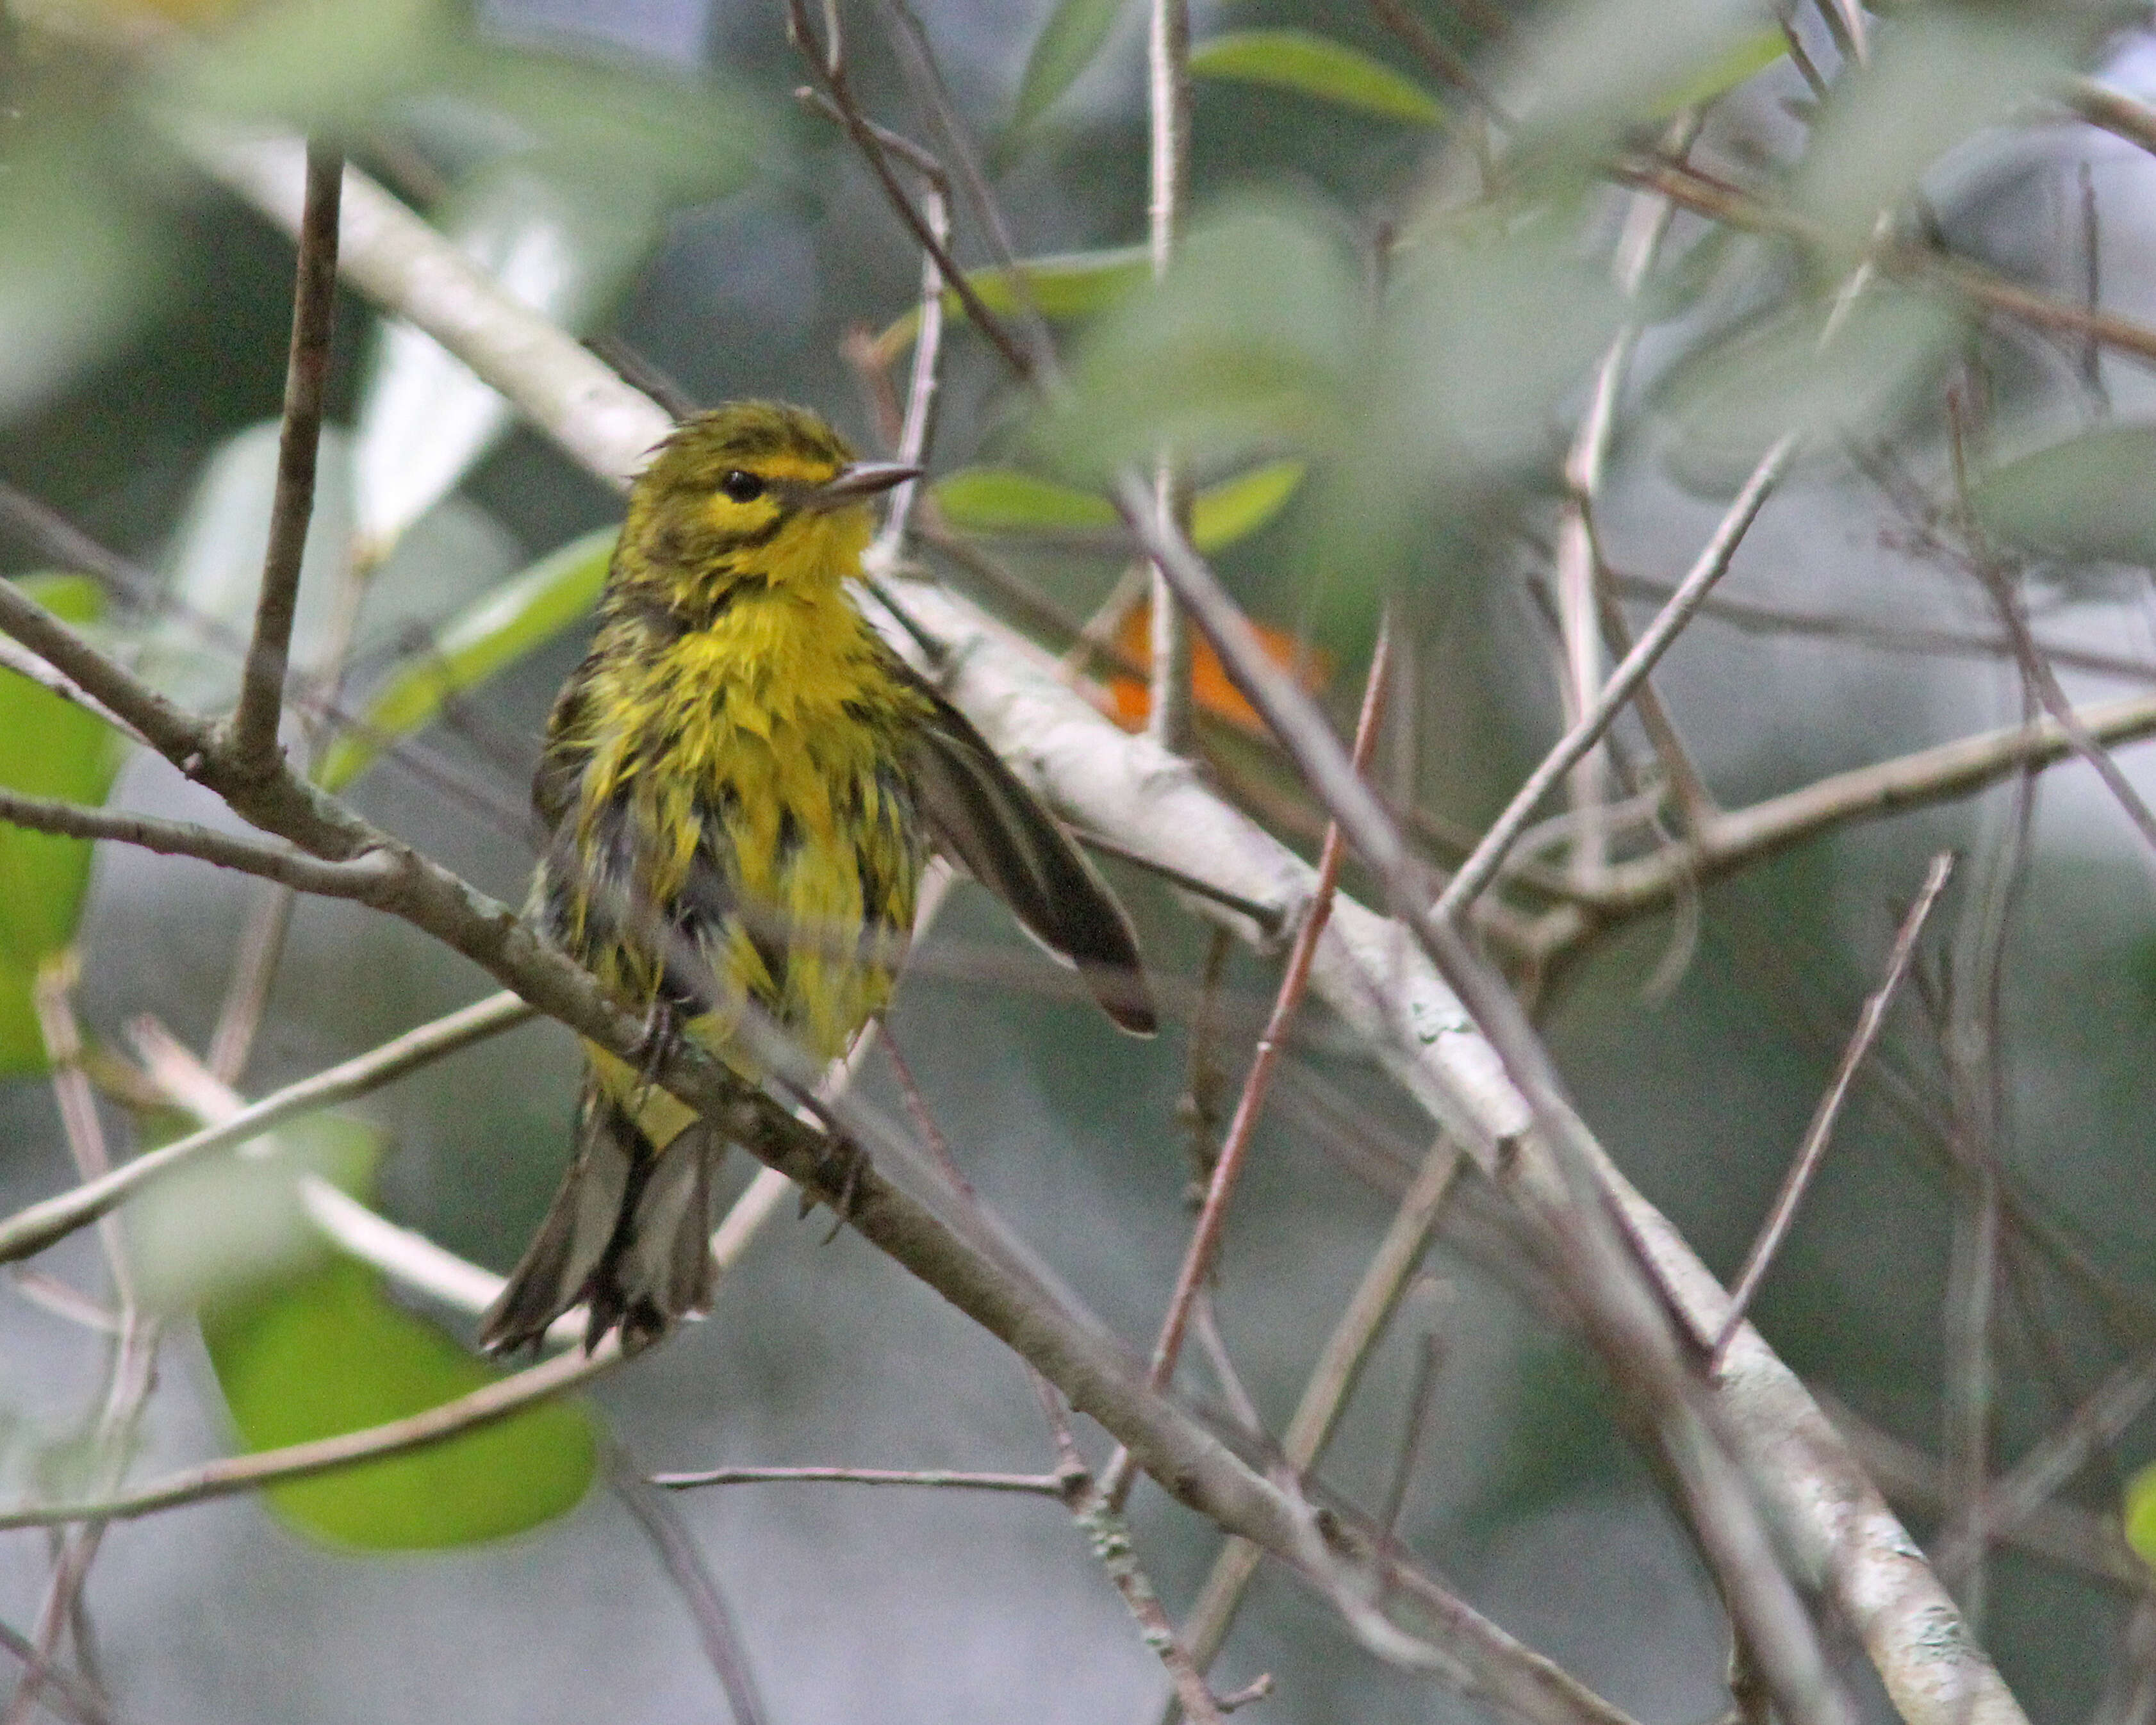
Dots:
{"x": 753, "y": 491}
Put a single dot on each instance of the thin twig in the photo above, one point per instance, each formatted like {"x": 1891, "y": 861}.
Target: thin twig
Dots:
{"x": 1167, "y": 98}
{"x": 33, "y": 1229}
{"x": 253, "y": 732}
{"x": 924, "y": 80}
{"x": 1713, "y": 563}
{"x": 654, "y": 1512}
{"x": 1228, "y": 1166}
{"x": 478, "y": 1407}
{"x": 1820, "y": 1132}
{"x": 351, "y": 879}
{"x": 1756, "y": 618}
{"x": 918, "y": 430}
{"x": 1331, "y": 1382}
{"x": 1038, "y": 1484}
{"x": 863, "y": 131}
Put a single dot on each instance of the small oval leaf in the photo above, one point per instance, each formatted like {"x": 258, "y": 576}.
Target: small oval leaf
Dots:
{"x": 1070, "y": 284}
{"x": 305, "y": 1344}
{"x": 331, "y": 1354}
{"x": 1001, "y": 500}
{"x": 1236, "y": 508}
{"x": 53, "y": 748}
{"x": 1315, "y": 66}
{"x": 520, "y": 615}
{"x": 2089, "y": 500}
{"x": 1071, "y": 41}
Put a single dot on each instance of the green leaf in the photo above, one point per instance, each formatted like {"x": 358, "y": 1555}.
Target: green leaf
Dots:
{"x": 1070, "y": 284}
{"x": 2091, "y": 499}
{"x": 1236, "y": 508}
{"x": 1071, "y": 41}
{"x": 1589, "y": 71}
{"x": 52, "y": 748}
{"x": 2141, "y": 1513}
{"x": 330, "y": 1354}
{"x": 305, "y": 1344}
{"x": 553, "y": 237}
{"x": 1315, "y": 66}
{"x": 1256, "y": 336}
{"x": 1002, "y": 499}
{"x": 1729, "y": 402}
{"x": 1937, "y": 76}
{"x": 523, "y": 614}
{"x": 1742, "y": 59}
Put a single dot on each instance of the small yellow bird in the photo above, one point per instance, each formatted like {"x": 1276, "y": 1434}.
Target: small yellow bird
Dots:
{"x": 739, "y": 788}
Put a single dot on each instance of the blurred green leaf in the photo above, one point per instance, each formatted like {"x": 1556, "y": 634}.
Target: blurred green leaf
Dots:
{"x": 2141, "y": 1513}
{"x": 305, "y": 1344}
{"x": 313, "y": 63}
{"x": 331, "y": 1354}
{"x": 1002, "y": 499}
{"x": 1590, "y": 70}
{"x": 1315, "y": 66}
{"x": 1938, "y": 75}
{"x": 79, "y": 259}
{"x": 634, "y": 131}
{"x": 1236, "y": 508}
{"x": 333, "y": 66}
{"x": 1074, "y": 285}
{"x": 2090, "y": 499}
{"x": 1742, "y": 60}
{"x": 1256, "y": 335}
{"x": 554, "y": 239}
{"x": 521, "y": 614}
{"x": 1487, "y": 328}
{"x": 1725, "y": 404}
{"x": 1071, "y": 40}
{"x": 231, "y": 1227}
{"x": 52, "y": 749}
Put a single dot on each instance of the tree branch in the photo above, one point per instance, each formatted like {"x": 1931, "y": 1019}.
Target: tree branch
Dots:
{"x": 1481, "y": 866}
{"x": 253, "y": 730}
{"x": 1130, "y": 791}
{"x": 352, "y": 879}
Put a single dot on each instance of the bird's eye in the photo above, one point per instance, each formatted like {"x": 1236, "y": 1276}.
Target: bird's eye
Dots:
{"x": 742, "y": 487}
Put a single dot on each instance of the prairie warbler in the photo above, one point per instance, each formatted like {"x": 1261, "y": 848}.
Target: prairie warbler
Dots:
{"x": 739, "y": 787}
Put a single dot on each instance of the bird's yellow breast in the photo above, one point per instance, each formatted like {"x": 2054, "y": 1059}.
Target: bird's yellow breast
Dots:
{"x": 743, "y": 826}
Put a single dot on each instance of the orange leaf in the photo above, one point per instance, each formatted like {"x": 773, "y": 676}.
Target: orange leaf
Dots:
{"x": 1210, "y": 687}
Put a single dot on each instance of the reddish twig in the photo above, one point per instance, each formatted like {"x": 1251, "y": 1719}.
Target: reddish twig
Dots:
{"x": 1228, "y": 1167}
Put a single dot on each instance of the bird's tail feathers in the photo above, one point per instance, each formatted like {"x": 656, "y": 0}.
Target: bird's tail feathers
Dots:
{"x": 629, "y": 1233}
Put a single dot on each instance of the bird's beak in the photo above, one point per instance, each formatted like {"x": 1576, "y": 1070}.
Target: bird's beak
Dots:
{"x": 859, "y": 479}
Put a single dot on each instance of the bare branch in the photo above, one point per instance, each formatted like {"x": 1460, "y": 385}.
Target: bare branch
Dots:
{"x": 352, "y": 879}
{"x": 1228, "y": 1165}
{"x": 692, "y": 1579}
{"x": 37, "y": 1226}
{"x": 1818, "y": 1134}
{"x": 480, "y": 1407}
{"x": 1482, "y": 867}
{"x": 1036, "y": 1484}
{"x": 1125, "y": 788}
{"x": 1331, "y": 1382}
{"x": 253, "y": 731}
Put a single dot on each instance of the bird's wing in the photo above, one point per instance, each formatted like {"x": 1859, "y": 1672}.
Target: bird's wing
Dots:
{"x": 981, "y": 814}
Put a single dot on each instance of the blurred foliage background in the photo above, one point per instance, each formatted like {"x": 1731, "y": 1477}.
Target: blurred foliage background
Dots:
{"x": 1373, "y": 352}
